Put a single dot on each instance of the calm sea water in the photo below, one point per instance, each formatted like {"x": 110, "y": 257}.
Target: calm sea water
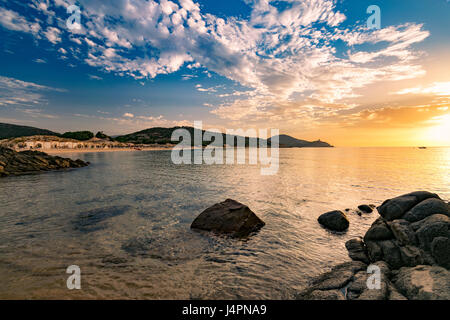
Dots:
{"x": 140, "y": 246}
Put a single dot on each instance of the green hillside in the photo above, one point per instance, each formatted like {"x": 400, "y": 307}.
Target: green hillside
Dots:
{"x": 14, "y": 131}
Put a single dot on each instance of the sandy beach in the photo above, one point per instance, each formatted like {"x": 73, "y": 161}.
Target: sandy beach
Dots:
{"x": 65, "y": 151}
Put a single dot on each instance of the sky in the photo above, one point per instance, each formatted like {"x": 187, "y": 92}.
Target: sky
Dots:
{"x": 311, "y": 68}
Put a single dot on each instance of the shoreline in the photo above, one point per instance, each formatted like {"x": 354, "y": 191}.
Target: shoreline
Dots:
{"x": 64, "y": 151}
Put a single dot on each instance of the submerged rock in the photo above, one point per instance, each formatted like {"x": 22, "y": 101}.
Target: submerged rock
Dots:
{"x": 365, "y": 208}
{"x": 14, "y": 163}
{"x": 93, "y": 220}
{"x": 229, "y": 217}
{"x": 334, "y": 220}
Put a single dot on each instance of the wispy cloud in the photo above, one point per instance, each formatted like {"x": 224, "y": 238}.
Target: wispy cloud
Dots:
{"x": 436, "y": 88}
{"x": 14, "y": 92}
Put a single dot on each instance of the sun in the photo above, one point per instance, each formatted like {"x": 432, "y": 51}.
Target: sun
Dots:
{"x": 440, "y": 133}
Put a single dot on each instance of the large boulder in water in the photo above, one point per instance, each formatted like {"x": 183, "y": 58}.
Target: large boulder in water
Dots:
{"x": 228, "y": 217}
{"x": 334, "y": 220}
{"x": 395, "y": 208}
{"x": 427, "y": 208}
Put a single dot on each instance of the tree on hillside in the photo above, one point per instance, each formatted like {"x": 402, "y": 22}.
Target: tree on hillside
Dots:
{"x": 79, "y": 135}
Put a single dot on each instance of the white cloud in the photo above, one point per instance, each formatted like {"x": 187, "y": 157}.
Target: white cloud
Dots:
{"x": 436, "y": 88}
{"x": 53, "y": 35}
{"x": 128, "y": 115}
{"x": 94, "y": 77}
{"x": 13, "y": 21}
{"x": 277, "y": 54}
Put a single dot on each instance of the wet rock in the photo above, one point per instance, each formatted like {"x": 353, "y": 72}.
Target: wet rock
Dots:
{"x": 394, "y": 294}
{"x": 402, "y": 232}
{"x": 14, "y": 163}
{"x": 411, "y": 256}
{"x": 435, "y": 218}
{"x": 374, "y": 293}
{"x": 228, "y": 217}
{"x": 430, "y": 229}
{"x": 427, "y": 208}
{"x": 93, "y": 220}
{"x": 324, "y": 295}
{"x": 391, "y": 253}
{"x": 357, "y": 250}
{"x": 365, "y": 208}
{"x": 395, "y": 208}
{"x": 424, "y": 283}
{"x": 374, "y": 251}
{"x": 440, "y": 249}
{"x": 359, "y": 284}
{"x": 378, "y": 231}
{"x": 334, "y": 220}
{"x": 336, "y": 279}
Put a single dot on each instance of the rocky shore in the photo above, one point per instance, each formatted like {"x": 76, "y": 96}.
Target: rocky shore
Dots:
{"x": 409, "y": 244}
{"x": 14, "y": 163}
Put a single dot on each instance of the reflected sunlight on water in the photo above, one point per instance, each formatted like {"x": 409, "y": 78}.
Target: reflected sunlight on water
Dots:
{"x": 142, "y": 247}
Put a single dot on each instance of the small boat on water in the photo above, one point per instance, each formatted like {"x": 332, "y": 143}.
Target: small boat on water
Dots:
{"x": 422, "y": 147}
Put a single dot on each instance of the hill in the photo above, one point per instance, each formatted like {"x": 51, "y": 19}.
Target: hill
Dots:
{"x": 163, "y": 136}
{"x": 291, "y": 142}
{"x": 14, "y": 131}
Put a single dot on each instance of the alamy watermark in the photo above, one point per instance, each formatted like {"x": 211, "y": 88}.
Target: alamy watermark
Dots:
{"x": 74, "y": 280}
{"x": 374, "y": 21}
{"x": 231, "y": 150}
{"x": 374, "y": 280}
{"x": 74, "y": 21}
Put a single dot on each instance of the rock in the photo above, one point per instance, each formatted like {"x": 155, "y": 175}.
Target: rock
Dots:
{"x": 374, "y": 251}
{"x": 334, "y": 220}
{"x": 411, "y": 256}
{"x": 427, "y": 208}
{"x": 339, "y": 276}
{"x": 19, "y": 163}
{"x": 424, "y": 283}
{"x": 430, "y": 220}
{"x": 324, "y": 295}
{"x": 430, "y": 229}
{"x": 228, "y": 217}
{"x": 402, "y": 231}
{"x": 395, "y": 208}
{"x": 391, "y": 253}
{"x": 370, "y": 293}
{"x": 378, "y": 231}
{"x": 375, "y": 294}
{"x": 329, "y": 283}
{"x": 394, "y": 294}
{"x": 357, "y": 250}
{"x": 365, "y": 208}
{"x": 440, "y": 249}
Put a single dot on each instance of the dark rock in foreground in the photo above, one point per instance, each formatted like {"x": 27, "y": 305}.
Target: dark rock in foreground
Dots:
{"x": 229, "y": 217}
{"x": 365, "y": 208}
{"x": 409, "y": 243}
{"x": 14, "y": 163}
{"x": 334, "y": 220}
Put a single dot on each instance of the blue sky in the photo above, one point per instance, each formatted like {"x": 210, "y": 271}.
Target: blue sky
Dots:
{"x": 310, "y": 68}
